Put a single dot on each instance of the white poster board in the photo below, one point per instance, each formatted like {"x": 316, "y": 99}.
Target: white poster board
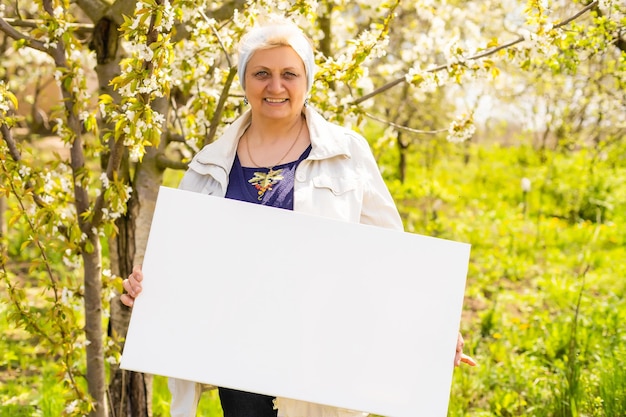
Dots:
{"x": 281, "y": 303}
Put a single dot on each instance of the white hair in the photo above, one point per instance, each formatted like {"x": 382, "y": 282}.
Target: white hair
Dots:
{"x": 272, "y": 35}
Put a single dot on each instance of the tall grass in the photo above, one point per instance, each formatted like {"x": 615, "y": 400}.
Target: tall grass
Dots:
{"x": 545, "y": 292}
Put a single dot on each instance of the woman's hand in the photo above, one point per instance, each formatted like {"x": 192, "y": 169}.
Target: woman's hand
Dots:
{"x": 132, "y": 286}
{"x": 460, "y": 356}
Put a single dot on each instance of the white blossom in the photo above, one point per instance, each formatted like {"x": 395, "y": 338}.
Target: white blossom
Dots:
{"x": 103, "y": 110}
{"x": 71, "y": 260}
{"x": 58, "y": 12}
{"x": 135, "y": 153}
{"x": 461, "y": 129}
{"x": 71, "y": 407}
{"x": 47, "y": 199}
{"x": 65, "y": 184}
{"x": 168, "y": 17}
{"x": 66, "y": 295}
{"x": 24, "y": 171}
{"x": 158, "y": 119}
{"x": 104, "y": 180}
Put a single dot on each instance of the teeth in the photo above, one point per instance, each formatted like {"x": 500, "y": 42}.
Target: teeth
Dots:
{"x": 275, "y": 100}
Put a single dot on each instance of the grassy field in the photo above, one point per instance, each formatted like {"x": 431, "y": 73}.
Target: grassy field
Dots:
{"x": 545, "y": 306}
{"x": 545, "y": 301}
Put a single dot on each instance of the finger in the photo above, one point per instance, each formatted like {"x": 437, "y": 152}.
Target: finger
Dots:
{"x": 457, "y": 359}
{"x": 128, "y": 287}
{"x": 468, "y": 360}
{"x": 133, "y": 284}
{"x": 137, "y": 273}
{"x": 127, "y": 300}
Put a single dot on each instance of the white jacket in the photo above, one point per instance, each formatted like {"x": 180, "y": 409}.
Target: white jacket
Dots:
{"x": 339, "y": 179}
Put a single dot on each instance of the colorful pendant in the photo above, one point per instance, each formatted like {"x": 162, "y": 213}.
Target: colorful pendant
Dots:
{"x": 264, "y": 181}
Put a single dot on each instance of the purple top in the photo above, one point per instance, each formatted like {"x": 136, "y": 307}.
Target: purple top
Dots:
{"x": 267, "y": 186}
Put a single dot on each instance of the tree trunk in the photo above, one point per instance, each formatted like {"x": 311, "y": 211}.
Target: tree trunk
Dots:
{"x": 130, "y": 392}
{"x": 402, "y": 151}
{"x": 93, "y": 327}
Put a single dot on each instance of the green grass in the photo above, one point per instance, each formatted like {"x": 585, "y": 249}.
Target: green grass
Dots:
{"x": 28, "y": 383}
{"x": 545, "y": 294}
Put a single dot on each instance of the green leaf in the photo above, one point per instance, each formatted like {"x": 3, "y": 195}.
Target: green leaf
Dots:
{"x": 12, "y": 97}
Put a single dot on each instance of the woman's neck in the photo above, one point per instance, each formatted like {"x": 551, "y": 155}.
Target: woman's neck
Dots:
{"x": 270, "y": 131}
{"x": 272, "y": 143}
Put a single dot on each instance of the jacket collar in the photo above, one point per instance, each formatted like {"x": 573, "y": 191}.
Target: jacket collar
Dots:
{"x": 327, "y": 139}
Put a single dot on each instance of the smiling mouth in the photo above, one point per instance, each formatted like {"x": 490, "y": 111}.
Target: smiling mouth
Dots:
{"x": 276, "y": 100}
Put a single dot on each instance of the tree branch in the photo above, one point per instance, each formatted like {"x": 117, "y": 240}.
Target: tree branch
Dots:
{"x": 217, "y": 115}
{"x": 619, "y": 42}
{"x": 11, "y": 32}
{"x": 402, "y": 127}
{"x": 8, "y": 139}
{"x": 474, "y": 57}
{"x": 95, "y": 9}
{"x": 80, "y": 28}
{"x": 17, "y": 157}
{"x": 163, "y": 162}
{"x": 219, "y": 39}
{"x": 113, "y": 165}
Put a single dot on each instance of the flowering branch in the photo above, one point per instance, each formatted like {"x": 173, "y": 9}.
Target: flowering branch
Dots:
{"x": 474, "y": 57}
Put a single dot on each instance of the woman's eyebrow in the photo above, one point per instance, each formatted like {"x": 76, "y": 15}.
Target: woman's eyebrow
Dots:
{"x": 257, "y": 67}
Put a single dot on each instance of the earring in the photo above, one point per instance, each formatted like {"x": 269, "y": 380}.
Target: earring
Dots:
{"x": 306, "y": 102}
{"x": 245, "y": 101}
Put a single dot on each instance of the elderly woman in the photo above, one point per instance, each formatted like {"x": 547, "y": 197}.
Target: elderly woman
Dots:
{"x": 282, "y": 153}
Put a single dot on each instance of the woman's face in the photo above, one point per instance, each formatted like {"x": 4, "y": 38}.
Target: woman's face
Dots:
{"x": 276, "y": 83}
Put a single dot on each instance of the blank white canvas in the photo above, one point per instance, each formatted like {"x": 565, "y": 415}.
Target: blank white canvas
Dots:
{"x": 292, "y": 305}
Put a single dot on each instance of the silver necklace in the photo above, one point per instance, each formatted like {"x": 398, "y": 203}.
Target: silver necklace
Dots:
{"x": 281, "y": 159}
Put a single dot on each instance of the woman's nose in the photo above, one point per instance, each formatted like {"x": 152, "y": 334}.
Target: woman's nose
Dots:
{"x": 275, "y": 84}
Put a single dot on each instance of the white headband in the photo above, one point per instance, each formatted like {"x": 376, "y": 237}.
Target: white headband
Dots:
{"x": 281, "y": 33}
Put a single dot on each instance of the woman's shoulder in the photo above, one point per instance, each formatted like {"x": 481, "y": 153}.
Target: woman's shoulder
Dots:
{"x": 343, "y": 135}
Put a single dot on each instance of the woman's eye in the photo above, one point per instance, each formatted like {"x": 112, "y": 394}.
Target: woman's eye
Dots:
{"x": 265, "y": 74}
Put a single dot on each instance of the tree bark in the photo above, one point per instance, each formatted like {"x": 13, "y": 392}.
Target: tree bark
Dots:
{"x": 93, "y": 327}
{"x": 130, "y": 392}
